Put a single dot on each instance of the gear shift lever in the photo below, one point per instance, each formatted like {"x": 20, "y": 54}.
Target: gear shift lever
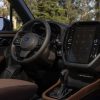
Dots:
{"x": 64, "y": 77}
{"x": 64, "y": 81}
{"x": 62, "y": 90}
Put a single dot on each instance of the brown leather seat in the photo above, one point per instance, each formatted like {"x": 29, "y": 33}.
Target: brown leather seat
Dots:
{"x": 11, "y": 89}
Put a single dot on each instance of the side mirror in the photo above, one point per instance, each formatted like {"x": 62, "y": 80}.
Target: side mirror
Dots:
{"x": 5, "y": 24}
{"x": 1, "y": 24}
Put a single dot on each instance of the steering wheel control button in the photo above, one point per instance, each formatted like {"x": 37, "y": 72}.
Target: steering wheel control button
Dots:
{"x": 17, "y": 41}
{"x": 29, "y": 41}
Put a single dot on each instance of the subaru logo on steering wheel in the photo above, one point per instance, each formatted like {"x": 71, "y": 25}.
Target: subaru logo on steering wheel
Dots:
{"x": 26, "y": 39}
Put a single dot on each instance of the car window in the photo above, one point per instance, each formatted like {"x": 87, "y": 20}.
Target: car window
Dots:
{"x": 65, "y": 11}
{"x": 4, "y": 9}
{"x": 5, "y": 13}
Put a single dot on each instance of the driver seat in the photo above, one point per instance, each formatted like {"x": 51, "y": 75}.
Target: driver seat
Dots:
{"x": 12, "y": 89}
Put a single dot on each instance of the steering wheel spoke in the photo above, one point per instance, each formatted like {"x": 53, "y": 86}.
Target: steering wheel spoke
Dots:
{"x": 24, "y": 54}
{"x": 40, "y": 41}
{"x": 17, "y": 41}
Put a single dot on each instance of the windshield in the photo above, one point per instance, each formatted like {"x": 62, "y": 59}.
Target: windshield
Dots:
{"x": 65, "y": 11}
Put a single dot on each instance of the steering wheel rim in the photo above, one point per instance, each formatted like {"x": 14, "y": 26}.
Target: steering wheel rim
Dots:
{"x": 42, "y": 48}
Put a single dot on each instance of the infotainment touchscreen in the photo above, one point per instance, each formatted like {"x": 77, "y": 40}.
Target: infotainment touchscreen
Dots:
{"x": 81, "y": 45}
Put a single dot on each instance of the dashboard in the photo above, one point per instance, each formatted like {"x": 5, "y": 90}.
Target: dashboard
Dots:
{"x": 78, "y": 43}
{"x": 57, "y": 32}
{"x": 6, "y": 38}
{"x": 81, "y": 44}
{"x": 56, "y": 29}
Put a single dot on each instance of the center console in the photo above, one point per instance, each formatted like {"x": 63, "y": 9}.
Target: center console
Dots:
{"x": 89, "y": 92}
{"x": 81, "y": 55}
{"x": 65, "y": 87}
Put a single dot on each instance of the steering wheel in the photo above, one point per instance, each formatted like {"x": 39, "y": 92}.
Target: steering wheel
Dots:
{"x": 27, "y": 45}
